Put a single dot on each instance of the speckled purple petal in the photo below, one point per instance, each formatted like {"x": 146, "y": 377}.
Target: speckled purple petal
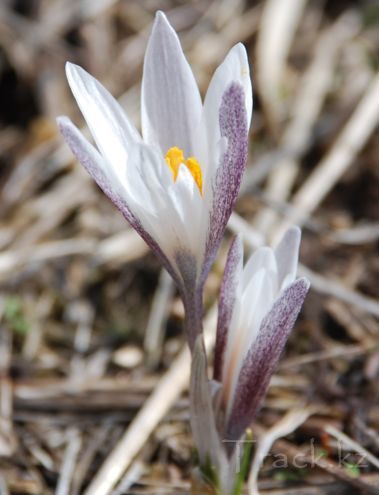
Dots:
{"x": 93, "y": 162}
{"x": 232, "y": 273}
{"x": 233, "y": 127}
{"x": 263, "y": 357}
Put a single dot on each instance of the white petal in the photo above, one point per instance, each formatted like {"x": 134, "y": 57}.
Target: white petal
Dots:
{"x": 245, "y": 305}
{"x": 252, "y": 299}
{"x": 94, "y": 163}
{"x": 257, "y": 301}
{"x": 186, "y": 195}
{"x": 287, "y": 255}
{"x": 255, "y": 304}
{"x": 170, "y": 211}
{"x": 147, "y": 181}
{"x": 170, "y": 100}
{"x": 263, "y": 257}
{"x": 239, "y": 336}
{"x": 108, "y": 123}
{"x": 235, "y": 68}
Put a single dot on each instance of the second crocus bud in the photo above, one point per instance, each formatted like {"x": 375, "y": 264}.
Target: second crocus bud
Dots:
{"x": 258, "y": 306}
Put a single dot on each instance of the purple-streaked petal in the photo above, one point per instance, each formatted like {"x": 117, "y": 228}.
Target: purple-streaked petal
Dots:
{"x": 99, "y": 170}
{"x": 228, "y": 291}
{"x": 170, "y": 101}
{"x": 108, "y": 123}
{"x": 263, "y": 357}
{"x": 235, "y": 68}
{"x": 203, "y": 422}
{"x": 287, "y": 255}
{"x": 226, "y": 185}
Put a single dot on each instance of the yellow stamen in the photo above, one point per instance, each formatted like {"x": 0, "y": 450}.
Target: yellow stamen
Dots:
{"x": 175, "y": 157}
{"x": 194, "y": 167}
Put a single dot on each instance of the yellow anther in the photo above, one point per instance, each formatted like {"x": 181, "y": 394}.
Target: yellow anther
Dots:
{"x": 175, "y": 157}
{"x": 195, "y": 169}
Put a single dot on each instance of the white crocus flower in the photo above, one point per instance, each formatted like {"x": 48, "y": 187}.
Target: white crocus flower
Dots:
{"x": 258, "y": 306}
{"x": 177, "y": 184}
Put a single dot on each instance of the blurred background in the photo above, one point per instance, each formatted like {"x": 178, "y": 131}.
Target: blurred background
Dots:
{"x": 89, "y": 321}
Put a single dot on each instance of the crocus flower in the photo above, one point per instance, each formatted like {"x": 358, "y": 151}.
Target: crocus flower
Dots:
{"x": 258, "y": 306}
{"x": 177, "y": 183}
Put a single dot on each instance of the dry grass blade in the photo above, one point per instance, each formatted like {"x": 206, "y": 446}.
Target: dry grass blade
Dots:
{"x": 360, "y": 234}
{"x": 155, "y": 326}
{"x": 352, "y": 445}
{"x": 291, "y": 421}
{"x": 319, "y": 283}
{"x": 277, "y": 30}
{"x": 313, "y": 88}
{"x": 365, "y": 485}
{"x": 132, "y": 476}
{"x": 328, "y": 286}
{"x": 69, "y": 462}
{"x": 353, "y": 137}
{"x": 167, "y": 391}
{"x": 158, "y": 404}
{"x": 7, "y": 437}
{"x": 77, "y": 282}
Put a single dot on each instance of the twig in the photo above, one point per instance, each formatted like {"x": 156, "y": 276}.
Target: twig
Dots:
{"x": 172, "y": 384}
{"x": 331, "y": 287}
{"x": 352, "y": 445}
{"x": 291, "y": 421}
{"x": 322, "y": 488}
{"x": 359, "y": 234}
{"x": 158, "y": 314}
{"x": 278, "y": 25}
{"x": 3, "y": 486}
{"x": 312, "y": 357}
{"x": 7, "y": 438}
{"x": 88, "y": 453}
{"x": 133, "y": 475}
{"x": 363, "y": 485}
{"x": 167, "y": 391}
{"x": 319, "y": 283}
{"x": 115, "y": 250}
{"x": 350, "y": 142}
{"x": 313, "y": 88}
{"x": 69, "y": 463}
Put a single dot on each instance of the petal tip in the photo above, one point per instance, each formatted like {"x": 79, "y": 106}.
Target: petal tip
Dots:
{"x": 237, "y": 244}
{"x": 295, "y": 231}
{"x": 76, "y": 75}
{"x": 304, "y": 283}
{"x": 160, "y": 16}
{"x": 62, "y": 121}
{"x": 71, "y": 68}
{"x": 292, "y": 236}
{"x": 161, "y": 21}
{"x": 240, "y": 47}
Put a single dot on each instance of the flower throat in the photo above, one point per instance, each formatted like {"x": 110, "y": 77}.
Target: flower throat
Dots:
{"x": 175, "y": 157}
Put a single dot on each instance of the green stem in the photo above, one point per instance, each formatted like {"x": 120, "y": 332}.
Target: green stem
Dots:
{"x": 245, "y": 463}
